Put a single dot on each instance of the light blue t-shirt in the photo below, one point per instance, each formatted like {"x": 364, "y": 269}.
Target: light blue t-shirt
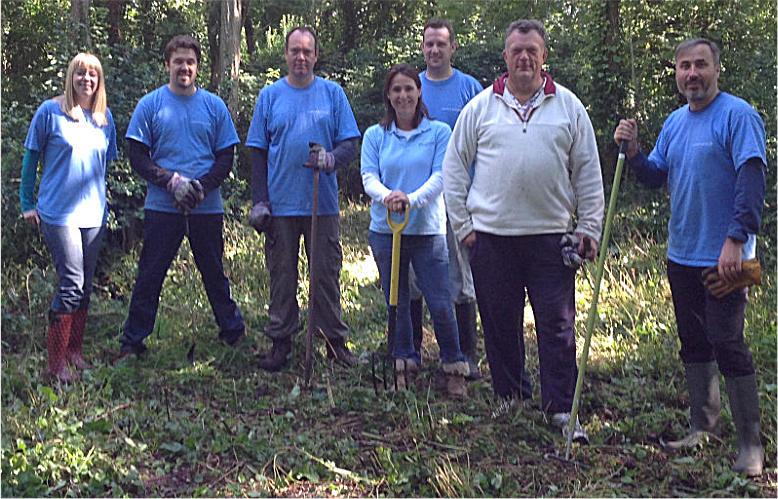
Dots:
{"x": 285, "y": 120}
{"x": 445, "y": 99}
{"x": 405, "y": 163}
{"x": 74, "y": 155}
{"x": 701, "y": 152}
{"x": 184, "y": 134}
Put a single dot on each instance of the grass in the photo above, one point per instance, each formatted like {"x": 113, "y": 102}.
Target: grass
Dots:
{"x": 161, "y": 426}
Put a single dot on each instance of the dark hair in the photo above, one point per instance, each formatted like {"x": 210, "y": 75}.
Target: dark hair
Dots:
{"x": 182, "y": 42}
{"x": 525, "y": 26}
{"x": 685, "y": 45}
{"x": 390, "y": 115}
{"x": 437, "y": 23}
{"x": 304, "y": 29}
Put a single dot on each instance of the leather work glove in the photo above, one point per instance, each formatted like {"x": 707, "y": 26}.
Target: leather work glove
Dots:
{"x": 319, "y": 158}
{"x": 189, "y": 195}
{"x": 750, "y": 274}
{"x": 570, "y": 256}
{"x": 259, "y": 217}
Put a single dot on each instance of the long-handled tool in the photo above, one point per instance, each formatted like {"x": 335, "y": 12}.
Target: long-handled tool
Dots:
{"x": 386, "y": 361}
{"x": 312, "y": 278}
{"x": 595, "y": 297}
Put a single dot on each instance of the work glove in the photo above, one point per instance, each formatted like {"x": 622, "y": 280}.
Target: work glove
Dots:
{"x": 319, "y": 158}
{"x": 750, "y": 274}
{"x": 570, "y": 256}
{"x": 189, "y": 195}
{"x": 259, "y": 217}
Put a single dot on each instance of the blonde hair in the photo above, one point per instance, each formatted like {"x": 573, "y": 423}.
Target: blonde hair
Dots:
{"x": 69, "y": 102}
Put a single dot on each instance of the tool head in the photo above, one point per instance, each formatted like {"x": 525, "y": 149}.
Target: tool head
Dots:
{"x": 398, "y": 227}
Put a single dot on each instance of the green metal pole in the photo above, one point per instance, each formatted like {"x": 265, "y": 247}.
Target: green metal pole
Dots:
{"x": 606, "y": 235}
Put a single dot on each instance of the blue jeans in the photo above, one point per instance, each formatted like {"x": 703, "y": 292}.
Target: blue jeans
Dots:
{"x": 75, "y": 252}
{"x": 162, "y": 236}
{"x": 429, "y": 257}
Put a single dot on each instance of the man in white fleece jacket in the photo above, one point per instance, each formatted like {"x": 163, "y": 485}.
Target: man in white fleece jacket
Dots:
{"x": 536, "y": 170}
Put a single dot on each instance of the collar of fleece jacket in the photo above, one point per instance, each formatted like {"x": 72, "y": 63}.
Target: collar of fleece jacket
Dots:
{"x": 499, "y": 84}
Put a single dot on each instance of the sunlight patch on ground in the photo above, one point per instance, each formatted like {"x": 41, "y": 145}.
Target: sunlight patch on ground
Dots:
{"x": 363, "y": 270}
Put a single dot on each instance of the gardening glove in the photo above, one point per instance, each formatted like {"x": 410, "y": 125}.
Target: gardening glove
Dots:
{"x": 750, "y": 274}
{"x": 570, "y": 256}
{"x": 189, "y": 195}
{"x": 319, "y": 158}
{"x": 259, "y": 217}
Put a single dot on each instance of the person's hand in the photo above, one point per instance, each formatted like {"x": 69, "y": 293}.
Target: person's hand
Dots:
{"x": 318, "y": 157}
{"x": 31, "y": 217}
{"x": 587, "y": 246}
{"x": 259, "y": 217}
{"x": 751, "y": 274}
{"x": 396, "y": 201}
{"x": 571, "y": 255}
{"x": 627, "y": 131}
{"x": 469, "y": 240}
{"x": 730, "y": 260}
{"x": 189, "y": 195}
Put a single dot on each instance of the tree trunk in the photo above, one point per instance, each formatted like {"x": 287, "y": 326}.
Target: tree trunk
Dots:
{"x": 248, "y": 26}
{"x": 214, "y": 51}
{"x": 79, "y": 15}
{"x": 116, "y": 9}
{"x": 229, "y": 41}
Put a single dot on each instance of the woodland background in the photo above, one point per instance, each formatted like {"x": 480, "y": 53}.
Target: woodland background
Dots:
{"x": 219, "y": 426}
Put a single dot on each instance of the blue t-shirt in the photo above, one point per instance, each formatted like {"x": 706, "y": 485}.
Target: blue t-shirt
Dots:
{"x": 701, "y": 152}
{"x": 445, "y": 99}
{"x": 405, "y": 163}
{"x": 74, "y": 156}
{"x": 285, "y": 120}
{"x": 184, "y": 134}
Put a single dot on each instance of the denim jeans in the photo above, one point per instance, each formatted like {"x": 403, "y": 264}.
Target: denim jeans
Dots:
{"x": 505, "y": 270}
{"x": 429, "y": 257}
{"x": 709, "y": 328}
{"x": 75, "y": 251}
{"x": 162, "y": 237}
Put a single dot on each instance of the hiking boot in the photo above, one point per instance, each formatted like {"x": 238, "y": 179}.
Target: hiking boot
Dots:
{"x": 278, "y": 356}
{"x": 127, "y": 350}
{"x": 468, "y": 337}
{"x": 232, "y": 338}
{"x": 339, "y": 352}
{"x": 405, "y": 370}
{"x": 76, "y": 342}
{"x": 562, "y": 419}
{"x": 702, "y": 381}
{"x": 455, "y": 373}
{"x": 60, "y": 326}
{"x": 744, "y": 403}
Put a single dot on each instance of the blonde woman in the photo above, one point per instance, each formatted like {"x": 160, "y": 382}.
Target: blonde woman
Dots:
{"x": 73, "y": 135}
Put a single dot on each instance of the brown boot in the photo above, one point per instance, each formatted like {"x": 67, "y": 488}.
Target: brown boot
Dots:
{"x": 60, "y": 325}
{"x": 338, "y": 351}
{"x": 75, "y": 345}
{"x": 455, "y": 378}
{"x": 278, "y": 356}
{"x": 404, "y": 372}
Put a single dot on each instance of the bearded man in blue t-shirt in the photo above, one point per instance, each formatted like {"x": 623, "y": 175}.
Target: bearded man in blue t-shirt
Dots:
{"x": 711, "y": 155}
{"x": 181, "y": 141}
{"x": 300, "y": 119}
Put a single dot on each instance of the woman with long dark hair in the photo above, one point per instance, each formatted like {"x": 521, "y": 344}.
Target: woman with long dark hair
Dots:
{"x": 402, "y": 157}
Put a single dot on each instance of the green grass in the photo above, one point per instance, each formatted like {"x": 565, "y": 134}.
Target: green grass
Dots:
{"x": 161, "y": 426}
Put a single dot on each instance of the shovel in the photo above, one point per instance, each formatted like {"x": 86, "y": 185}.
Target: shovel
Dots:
{"x": 606, "y": 235}
{"x": 308, "y": 367}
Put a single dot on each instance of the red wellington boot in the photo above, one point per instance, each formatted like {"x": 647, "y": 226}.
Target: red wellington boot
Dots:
{"x": 60, "y": 325}
{"x": 75, "y": 345}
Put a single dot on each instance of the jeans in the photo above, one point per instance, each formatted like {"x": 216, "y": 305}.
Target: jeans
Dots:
{"x": 162, "y": 236}
{"x": 429, "y": 256}
{"x": 709, "y": 328}
{"x": 75, "y": 251}
{"x": 505, "y": 270}
{"x": 282, "y": 250}
{"x": 459, "y": 274}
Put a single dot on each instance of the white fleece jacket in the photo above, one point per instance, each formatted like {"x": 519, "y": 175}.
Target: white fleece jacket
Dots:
{"x": 530, "y": 177}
